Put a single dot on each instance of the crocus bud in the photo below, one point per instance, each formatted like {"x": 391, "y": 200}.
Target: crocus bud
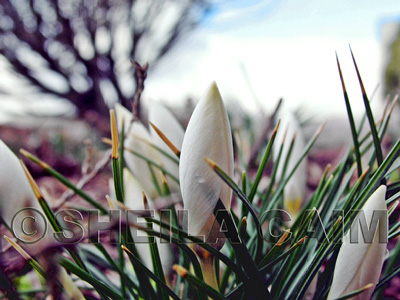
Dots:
{"x": 360, "y": 263}
{"x": 208, "y": 135}
{"x": 16, "y": 193}
{"x": 134, "y": 200}
{"x": 124, "y": 117}
{"x": 138, "y": 140}
{"x": 295, "y": 189}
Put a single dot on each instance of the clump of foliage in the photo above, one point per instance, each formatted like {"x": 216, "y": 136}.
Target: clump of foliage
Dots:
{"x": 265, "y": 254}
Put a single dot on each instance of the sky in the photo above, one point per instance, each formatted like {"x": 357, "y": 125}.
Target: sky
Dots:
{"x": 259, "y": 51}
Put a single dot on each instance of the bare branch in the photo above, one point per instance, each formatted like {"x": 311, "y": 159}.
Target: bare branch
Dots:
{"x": 140, "y": 77}
{"x": 38, "y": 36}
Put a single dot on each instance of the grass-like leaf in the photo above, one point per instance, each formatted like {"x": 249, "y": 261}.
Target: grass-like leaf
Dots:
{"x": 63, "y": 180}
{"x": 136, "y": 261}
{"x": 199, "y": 284}
{"x": 85, "y": 276}
{"x": 356, "y": 292}
{"x": 263, "y": 163}
{"x": 351, "y": 121}
{"x": 256, "y": 286}
{"x": 377, "y": 144}
{"x": 225, "y": 177}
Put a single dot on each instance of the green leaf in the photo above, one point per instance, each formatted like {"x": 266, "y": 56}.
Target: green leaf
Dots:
{"x": 255, "y": 285}
{"x": 199, "y": 284}
{"x": 136, "y": 261}
{"x": 225, "y": 177}
{"x": 351, "y": 121}
{"x": 356, "y": 292}
{"x": 263, "y": 163}
{"x": 85, "y": 276}
{"x": 377, "y": 143}
{"x": 63, "y": 180}
{"x": 151, "y": 162}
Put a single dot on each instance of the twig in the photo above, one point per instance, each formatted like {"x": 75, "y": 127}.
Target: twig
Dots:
{"x": 85, "y": 179}
{"x": 140, "y": 77}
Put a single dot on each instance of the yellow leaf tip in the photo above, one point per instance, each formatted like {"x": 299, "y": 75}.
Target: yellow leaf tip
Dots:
{"x": 126, "y": 249}
{"x": 110, "y": 202}
{"x": 283, "y": 238}
{"x": 114, "y": 134}
{"x": 164, "y": 138}
{"x": 18, "y": 248}
{"x": 163, "y": 179}
{"x": 210, "y": 162}
{"x": 180, "y": 270}
{"x": 32, "y": 182}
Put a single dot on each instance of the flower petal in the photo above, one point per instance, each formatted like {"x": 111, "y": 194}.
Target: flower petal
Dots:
{"x": 134, "y": 200}
{"x": 15, "y": 194}
{"x": 208, "y": 135}
{"x": 138, "y": 166}
{"x": 359, "y": 264}
{"x": 133, "y": 192}
{"x": 15, "y": 190}
{"x": 123, "y": 115}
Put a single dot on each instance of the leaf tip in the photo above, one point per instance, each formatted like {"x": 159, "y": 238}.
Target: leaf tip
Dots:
{"x": 114, "y": 134}
{"x": 167, "y": 141}
{"x": 210, "y": 162}
{"x": 32, "y": 182}
{"x": 180, "y": 270}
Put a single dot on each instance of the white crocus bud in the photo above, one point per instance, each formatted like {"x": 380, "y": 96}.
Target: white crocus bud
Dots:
{"x": 208, "y": 135}
{"x": 139, "y": 140}
{"x": 295, "y": 189}
{"x": 133, "y": 195}
{"x": 123, "y": 115}
{"x": 360, "y": 263}
{"x": 16, "y": 193}
{"x": 164, "y": 120}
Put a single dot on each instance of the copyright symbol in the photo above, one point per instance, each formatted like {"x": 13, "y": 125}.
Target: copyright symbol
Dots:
{"x": 29, "y": 225}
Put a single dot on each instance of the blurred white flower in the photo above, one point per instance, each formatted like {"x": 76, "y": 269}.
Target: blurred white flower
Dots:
{"x": 359, "y": 264}
{"x": 123, "y": 116}
{"x": 208, "y": 135}
{"x": 164, "y": 120}
{"x": 133, "y": 196}
{"x": 15, "y": 191}
{"x": 139, "y": 139}
{"x": 295, "y": 189}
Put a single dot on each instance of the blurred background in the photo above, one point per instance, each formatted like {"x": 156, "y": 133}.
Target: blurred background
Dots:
{"x": 259, "y": 51}
{"x": 74, "y": 57}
